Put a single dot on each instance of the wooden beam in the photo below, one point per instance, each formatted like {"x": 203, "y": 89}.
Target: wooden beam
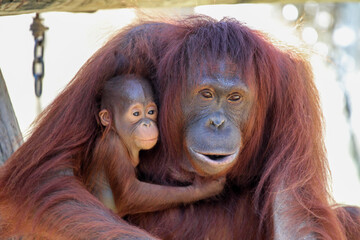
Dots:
{"x": 12, "y": 7}
{"x": 9, "y": 7}
{"x": 10, "y": 134}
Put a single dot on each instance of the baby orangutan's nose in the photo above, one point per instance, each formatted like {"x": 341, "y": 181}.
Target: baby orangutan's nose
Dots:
{"x": 147, "y": 134}
{"x": 147, "y": 123}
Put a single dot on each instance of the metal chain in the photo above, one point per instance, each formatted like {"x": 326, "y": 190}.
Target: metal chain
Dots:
{"x": 38, "y": 67}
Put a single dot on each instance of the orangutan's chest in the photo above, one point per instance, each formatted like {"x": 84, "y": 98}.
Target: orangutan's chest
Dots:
{"x": 195, "y": 221}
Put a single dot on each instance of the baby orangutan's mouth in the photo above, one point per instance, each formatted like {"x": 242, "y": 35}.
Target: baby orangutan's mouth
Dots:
{"x": 148, "y": 140}
{"x": 147, "y": 143}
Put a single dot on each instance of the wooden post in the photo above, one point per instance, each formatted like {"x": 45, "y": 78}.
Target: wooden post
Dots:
{"x": 10, "y": 134}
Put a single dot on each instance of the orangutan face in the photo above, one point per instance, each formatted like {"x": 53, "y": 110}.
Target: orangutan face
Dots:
{"x": 215, "y": 111}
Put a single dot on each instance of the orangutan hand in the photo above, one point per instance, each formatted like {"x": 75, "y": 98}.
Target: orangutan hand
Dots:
{"x": 205, "y": 188}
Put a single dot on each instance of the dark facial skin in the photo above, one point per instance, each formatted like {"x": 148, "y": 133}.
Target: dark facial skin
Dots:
{"x": 136, "y": 115}
{"x": 215, "y": 111}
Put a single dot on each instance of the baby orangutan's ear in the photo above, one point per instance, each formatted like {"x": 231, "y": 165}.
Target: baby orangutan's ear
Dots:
{"x": 104, "y": 117}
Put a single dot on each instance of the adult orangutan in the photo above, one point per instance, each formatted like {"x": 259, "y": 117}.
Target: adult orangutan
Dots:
{"x": 231, "y": 103}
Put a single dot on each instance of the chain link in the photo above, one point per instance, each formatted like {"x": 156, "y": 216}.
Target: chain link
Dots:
{"x": 38, "y": 64}
{"x": 38, "y": 67}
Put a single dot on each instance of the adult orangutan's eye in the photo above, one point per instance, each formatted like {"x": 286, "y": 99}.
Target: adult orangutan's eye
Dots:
{"x": 206, "y": 94}
{"x": 235, "y": 98}
{"x": 151, "y": 112}
{"x": 136, "y": 114}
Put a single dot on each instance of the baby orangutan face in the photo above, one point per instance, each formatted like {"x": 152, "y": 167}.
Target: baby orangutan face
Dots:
{"x": 134, "y": 114}
{"x": 139, "y": 123}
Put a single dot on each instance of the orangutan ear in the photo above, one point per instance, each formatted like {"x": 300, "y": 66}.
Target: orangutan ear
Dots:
{"x": 104, "y": 117}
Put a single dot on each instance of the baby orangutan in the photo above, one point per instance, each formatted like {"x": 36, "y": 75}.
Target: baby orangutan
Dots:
{"x": 128, "y": 115}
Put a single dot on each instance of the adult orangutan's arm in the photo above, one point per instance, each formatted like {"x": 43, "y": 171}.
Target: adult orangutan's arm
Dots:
{"x": 68, "y": 211}
{"x": 285, "y": 228}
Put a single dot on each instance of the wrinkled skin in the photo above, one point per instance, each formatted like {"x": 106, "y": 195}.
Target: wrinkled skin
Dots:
{"x": 215, "y": 111}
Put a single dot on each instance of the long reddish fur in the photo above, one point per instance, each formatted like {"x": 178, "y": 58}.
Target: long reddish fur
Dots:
{"x": 39, "y": 195}
{"x": 283, "y": 138}
{"x": 283, "y": 142}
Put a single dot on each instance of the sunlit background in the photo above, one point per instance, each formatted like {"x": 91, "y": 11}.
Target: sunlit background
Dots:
{"x": 330, "y": 32}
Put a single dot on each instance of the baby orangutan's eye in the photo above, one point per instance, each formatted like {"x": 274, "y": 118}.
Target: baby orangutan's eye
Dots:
{"x": 136, "y": 114}
{"x": 151, "y": 112}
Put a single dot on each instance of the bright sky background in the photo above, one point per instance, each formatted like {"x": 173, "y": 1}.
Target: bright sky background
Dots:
{"x": 73, "y": 38}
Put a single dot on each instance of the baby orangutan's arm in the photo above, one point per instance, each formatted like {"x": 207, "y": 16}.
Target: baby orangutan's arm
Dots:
{"x": 146, "y": 197}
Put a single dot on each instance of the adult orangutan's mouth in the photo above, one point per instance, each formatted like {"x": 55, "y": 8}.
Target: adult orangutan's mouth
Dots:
{"x": 215, "y": 158}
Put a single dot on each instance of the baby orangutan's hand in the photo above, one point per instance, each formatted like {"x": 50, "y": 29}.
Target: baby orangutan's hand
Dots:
{"x": 205, "y": 188}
